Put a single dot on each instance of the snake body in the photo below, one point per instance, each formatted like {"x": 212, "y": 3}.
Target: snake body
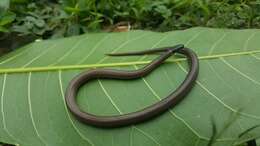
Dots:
{"x": 145, "y": 114}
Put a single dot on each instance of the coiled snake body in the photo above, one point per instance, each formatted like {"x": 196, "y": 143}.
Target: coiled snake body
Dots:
{"x": 147, "y": 113}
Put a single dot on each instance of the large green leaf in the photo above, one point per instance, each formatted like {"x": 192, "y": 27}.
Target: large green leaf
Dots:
{"x": 34, "y": 78}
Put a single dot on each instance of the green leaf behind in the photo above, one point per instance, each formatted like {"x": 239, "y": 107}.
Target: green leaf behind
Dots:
{"x": 34, "y": 78}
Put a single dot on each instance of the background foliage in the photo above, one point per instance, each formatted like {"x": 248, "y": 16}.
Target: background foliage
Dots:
{"x": 58, "y": 18}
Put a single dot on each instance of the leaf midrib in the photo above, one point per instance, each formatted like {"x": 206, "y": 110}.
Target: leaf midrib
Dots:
{"x": 83, "y": 66}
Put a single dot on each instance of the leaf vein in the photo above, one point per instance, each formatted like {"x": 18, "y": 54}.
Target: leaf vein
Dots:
{"x": 68, "y": 52}
{"x": 71, "y": 121}
{"x": 37, "y": 57}
{"x": 256, "y": 57}
{"x": 212, "y": 48}
{"x": 84, "y": 66}
{"x": 30, "y": 109}
{"x": 239, "y": 72}
{"x": 155, "y": 45}
{"x": 131, "y": 136}
{"x": 120, "y": 46}
{"x": 13, "y": 57}
{"x": 2, "y": 109}
{"x": 147, "y": 135}
{"x": 171, "y": 112}
{"x": 93, "y": 49}
{"x": 218, "y": 99}
{"x": 117, "y": 108}
{"x": 248, "y": 40}
{"x": 109, "y": 97}
{"x": 194, "y": 37}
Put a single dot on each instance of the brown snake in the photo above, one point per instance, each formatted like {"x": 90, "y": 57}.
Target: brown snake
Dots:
{"x": 147, "y": 113}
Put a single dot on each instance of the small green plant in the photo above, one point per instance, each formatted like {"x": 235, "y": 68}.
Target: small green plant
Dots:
{"x": 59, "y": 18}
{"x": 6, "y": 16}
{"x": 41, "y": 18}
